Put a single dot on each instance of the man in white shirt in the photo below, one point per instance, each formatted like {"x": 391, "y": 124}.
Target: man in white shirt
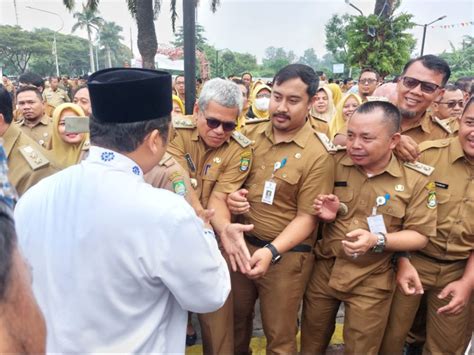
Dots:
{"x": 117, "y": 263}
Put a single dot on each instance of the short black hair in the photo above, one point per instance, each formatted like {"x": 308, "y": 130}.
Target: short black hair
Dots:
{"x": 246, "y": 74}
{"x": 391, "y": 114}
{"x": 8, "y": 242}
{"x": 31, "y": 79}
{"x": 30, "y": 88}
{"x": 346, "y": 80}
{"x": 6, "y": 105}
{"x": 370, "y": 70}
{"x": 468, "y": 103}
{"x": 126, "y": 137}
{"x": 301, "y": 71}
{"x": 80, "y": 87}
{"x": 434, "y": 63}
{"x": 178, "y": 76}
{"x": 241, "y": 82}
{"x": 54, "y": 77}
{"x": 465, "y": 83}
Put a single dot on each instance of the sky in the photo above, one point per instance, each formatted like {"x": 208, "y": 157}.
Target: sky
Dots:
{"x": 253, "y": 25}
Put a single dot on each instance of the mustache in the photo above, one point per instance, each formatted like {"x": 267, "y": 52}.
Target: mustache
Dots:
{"x": 281, "y": 114}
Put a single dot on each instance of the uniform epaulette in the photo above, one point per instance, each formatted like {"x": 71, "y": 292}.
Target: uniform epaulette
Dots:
{"x": 241, "y": 139}
{"x": 33, "y": 157}
{"x": 166, "y": 161}
{"x": 420, "y": 167}
{"x": 86, "y": 145}
{"x": 319, "y": 119}
{"x": 377, "y": 98}
{"x": 256, "y": 120}
{"x": 183, "y": 123}
{"x": 330, "y": 147}
{"x": 439, "y": 143}
{"x": 444, "y": 125}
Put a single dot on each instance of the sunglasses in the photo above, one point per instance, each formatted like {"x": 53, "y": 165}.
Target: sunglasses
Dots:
{"x": 213, "y": 123}
{"x": 452, "y": 104}
{"x": 426, "y": 87}
{"x": 367, "y": 81}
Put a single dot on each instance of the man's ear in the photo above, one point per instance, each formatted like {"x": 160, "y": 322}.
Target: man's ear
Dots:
{"x": 2, "y": 119}
{"x": 154, "y": 141}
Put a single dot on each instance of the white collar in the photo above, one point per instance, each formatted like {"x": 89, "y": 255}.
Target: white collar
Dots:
{"x": 110, "y": 158}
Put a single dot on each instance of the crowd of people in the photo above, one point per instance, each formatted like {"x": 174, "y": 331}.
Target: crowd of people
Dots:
{"x": 302, "y": 192}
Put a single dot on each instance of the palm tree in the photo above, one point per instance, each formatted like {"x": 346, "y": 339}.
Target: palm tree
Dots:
{"x": 110, "y": 38}
{"x": 145, "y": 12}
{"x": 89, "y": 20}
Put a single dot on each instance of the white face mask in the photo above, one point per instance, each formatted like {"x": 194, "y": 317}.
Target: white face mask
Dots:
{"x": 262, "y": 103}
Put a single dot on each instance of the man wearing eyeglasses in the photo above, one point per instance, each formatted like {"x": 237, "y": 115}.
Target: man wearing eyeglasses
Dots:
{"x": 421, "y": 82}
{"x": 448, "y": 107}
{"x": 218, "y": 160}
{"x": 368, "y": 81}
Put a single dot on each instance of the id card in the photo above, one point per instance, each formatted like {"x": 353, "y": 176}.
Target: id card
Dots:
{"x": 269, "y": 192}
{"x": 376, "y": 224}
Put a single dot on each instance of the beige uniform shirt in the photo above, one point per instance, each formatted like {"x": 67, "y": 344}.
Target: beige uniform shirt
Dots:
{"x": 55, "y": 98}
{"x": 428, "y": 128}
{"x": 454, "y": 180}
{"x": 222, "y": 169}
{"x": 41, "y": 133}
{"x": 307, "y": 172}
{"x": 25, "y": 171}
{"x": 406, "y": 195}
{"x": 319, "y": 125}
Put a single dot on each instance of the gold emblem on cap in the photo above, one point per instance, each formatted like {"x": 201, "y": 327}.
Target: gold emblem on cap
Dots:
{"x": 399, "y": 188}
{"x": 298, "y": 155}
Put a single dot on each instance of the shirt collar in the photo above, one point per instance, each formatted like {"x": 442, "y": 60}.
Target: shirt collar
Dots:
{"x": 300, "y": 138}
{"x": 112, "y": 159}
{"x": 393, "y": 167}
{"x": 424, "y": 124}
{"x": 455, "y": 150}
{"x": 44, "y": 121}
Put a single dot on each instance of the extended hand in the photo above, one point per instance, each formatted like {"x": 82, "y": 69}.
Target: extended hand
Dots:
{"x": 408, "y": 280}
{"x": 325, "y": 207}
{"x": 237, "y": 202}
{"x": 460, "y": 291}
{"x": 235, "y": 247}
{"x": 260, "y": 262}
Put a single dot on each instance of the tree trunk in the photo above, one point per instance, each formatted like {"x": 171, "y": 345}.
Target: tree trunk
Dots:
{"x": 384, "y": 8}
{"x": 146, "y": 37}
{"x": 109, "y": 57}
{"x": 91, "y": 50}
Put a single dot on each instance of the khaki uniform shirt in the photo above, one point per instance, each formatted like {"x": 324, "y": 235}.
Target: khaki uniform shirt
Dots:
{"x": 454, "y": 180}
{"x": 405, "y": 208}
{"x": 319, "y": 125}
{"x": 24, "y": 172}
{"x": 222, "y": 169}
{"x": 41, "y": 133}
{"x": 427, "y": 129}
{"x": 308, "y": 171}
{"x": 55, "y": 98}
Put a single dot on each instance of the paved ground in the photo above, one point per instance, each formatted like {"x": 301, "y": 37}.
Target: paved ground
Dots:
{"x": 259, "y": 342}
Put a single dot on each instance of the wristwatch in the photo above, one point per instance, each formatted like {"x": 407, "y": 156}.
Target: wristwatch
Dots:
{"x": 381, "y": 241}
{"x": 275, "y": 254}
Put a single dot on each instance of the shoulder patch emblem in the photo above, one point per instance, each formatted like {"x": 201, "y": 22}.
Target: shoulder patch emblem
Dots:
{"x": 241, "y": 139}
{"x": 33, "y": 157}
{"x": 256, "y": 120}
{"x": 420, "y": 167}
{"x": 444, "y": 125}
{"x": 330, "y": 147}
{"x": 183, "y": 123}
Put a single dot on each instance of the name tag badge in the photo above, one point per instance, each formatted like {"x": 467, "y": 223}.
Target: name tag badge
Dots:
{"x": 269, "y": 192}
{"x": 376, "y": 224}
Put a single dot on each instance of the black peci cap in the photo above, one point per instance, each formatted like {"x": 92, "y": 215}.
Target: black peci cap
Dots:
{"x": 126, "y": 95}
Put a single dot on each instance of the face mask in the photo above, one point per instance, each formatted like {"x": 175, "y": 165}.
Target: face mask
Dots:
{"x": 262, "y": 103}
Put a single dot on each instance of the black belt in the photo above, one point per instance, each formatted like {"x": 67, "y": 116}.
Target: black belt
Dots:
{"x": 302, "y": 248}
{"x": 436, "y": 260}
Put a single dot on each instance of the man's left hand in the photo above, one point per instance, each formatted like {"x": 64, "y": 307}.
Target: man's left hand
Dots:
{"x": 260, "y": 263}
{"x": 460, "y": 291}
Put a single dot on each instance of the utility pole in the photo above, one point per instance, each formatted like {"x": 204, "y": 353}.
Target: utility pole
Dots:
{"x": 189, "y": 31}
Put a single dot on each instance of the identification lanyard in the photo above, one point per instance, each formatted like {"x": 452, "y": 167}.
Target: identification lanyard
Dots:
{"x": 269, "y": 188}
{"x": 375, "y": 221}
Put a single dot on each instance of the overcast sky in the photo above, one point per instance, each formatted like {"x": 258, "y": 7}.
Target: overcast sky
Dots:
{"x": 253, "y": 25}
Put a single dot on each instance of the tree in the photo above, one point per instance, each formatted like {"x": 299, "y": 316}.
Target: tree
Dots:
{"x": 336, "y": 39}
{"x": 18, "y": 46}
{"x": 110, "y": 38}
{"x": 380, "y": 43}
{"x": 309, "y": 58}
{"x": 275, "y": 59}
{"x": 461, "y": 60}
{"x": 385, "y": 8}
{"x": 145, "y": 12}
{"x": 201, "y": 41}
{"x": 89, "y": 20}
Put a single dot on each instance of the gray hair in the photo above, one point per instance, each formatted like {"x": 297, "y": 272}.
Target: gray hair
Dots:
{"x": 223, "y": 92}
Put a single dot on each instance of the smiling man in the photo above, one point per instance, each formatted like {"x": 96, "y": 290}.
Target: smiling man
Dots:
{"x": 421, "y": 82}
{"x": 218, "y": 160}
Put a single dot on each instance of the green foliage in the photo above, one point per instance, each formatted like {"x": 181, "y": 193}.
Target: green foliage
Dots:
{"x": 380, "y": 43}
{"x": 336, "y": 39}
{"x": 110, "y": 39}
{"x": 200, "y": 39}
{"x": 461, "y": 59}
{"x": 18, "y": 47}
{"x": 275, "y": 59}
{"x": 309, "y": 58}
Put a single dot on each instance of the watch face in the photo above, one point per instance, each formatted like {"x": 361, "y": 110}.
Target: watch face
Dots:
{"x": 276, "y": 259}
